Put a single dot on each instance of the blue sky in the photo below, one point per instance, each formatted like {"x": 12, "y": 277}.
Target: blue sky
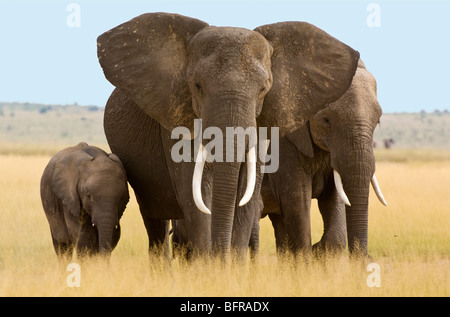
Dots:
{"x": 44, "y": 60}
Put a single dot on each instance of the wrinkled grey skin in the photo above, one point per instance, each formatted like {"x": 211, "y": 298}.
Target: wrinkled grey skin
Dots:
{"x": 84, "y": 193}
{"x": 300, "y": 179}
{"x": 339, "y": 137}
{"x": 174, "y": 69}
{"x": 162, "y": 187}
{"x": 307, "y": 159}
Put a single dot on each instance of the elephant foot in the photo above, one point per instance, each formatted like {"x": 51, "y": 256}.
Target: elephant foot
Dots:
{"x": 327, "y": 247}
{"x": 182, "y": 250}
{"x": 63, "y": 249}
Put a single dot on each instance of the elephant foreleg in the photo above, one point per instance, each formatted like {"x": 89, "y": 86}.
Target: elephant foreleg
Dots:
{"x": 245, "y": 232}
{"x": 62, "y": 243}
{"x": 254, "y": 239}
{"x": 295, "y": 210}
{"x": 63, "y": 250}
{"x": 332, "y": 209}
{"x": 281, "y": 237}
{"x": 294, "y": 199}
{"x": 291, "y": 187}
{"x": 158, "y": 237}
{"x": 246, "y": 229}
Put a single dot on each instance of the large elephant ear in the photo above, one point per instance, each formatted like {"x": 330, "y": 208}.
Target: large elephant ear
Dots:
{"x": 65, "y": 180}
{"x": 310, "y": 69}
{"x": 146, "y": 58}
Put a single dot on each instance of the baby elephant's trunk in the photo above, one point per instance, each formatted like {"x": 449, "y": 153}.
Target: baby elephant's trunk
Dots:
{"x": 105, "y": 227}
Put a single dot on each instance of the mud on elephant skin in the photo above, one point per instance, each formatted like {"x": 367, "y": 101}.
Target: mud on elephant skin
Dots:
{"x": 176, "y": 69}
{"x": 84, "y": 192}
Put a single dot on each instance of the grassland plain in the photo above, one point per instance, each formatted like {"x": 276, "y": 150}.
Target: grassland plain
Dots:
{"x": 27, "y": 128}
{"x": 409, "y": 240}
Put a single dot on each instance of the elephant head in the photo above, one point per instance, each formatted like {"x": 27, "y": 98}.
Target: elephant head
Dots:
{"x": 92, "y": 185}
{"x": 177, "y": 69}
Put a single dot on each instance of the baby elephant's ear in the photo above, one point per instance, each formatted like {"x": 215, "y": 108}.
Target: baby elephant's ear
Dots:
{"x": 65, "y": 180}
{"x": 146, "y": 58}
{"x": 310, "y": 69}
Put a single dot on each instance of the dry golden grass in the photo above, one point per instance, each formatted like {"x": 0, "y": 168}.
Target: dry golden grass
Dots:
{"x": 409, "y": 240}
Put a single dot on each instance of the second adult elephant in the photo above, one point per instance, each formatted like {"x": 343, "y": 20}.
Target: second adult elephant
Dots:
{"x": 175, "y": 69}
{"x": 331, "y": 158}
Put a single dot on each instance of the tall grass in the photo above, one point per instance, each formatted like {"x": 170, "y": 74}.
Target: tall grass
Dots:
{"x": 409, "y": 240}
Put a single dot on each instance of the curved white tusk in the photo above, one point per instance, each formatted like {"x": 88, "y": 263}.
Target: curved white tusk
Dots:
{"x": 197, "y": 180}
{"x": 340, "y": 187}
{"x": 251, "y": 176}
{"x": 377, "y": 190}
{"x": 267, "y": 146}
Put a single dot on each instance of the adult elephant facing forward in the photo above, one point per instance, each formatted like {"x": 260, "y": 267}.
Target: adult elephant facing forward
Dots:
{"x": 176, "y": 69}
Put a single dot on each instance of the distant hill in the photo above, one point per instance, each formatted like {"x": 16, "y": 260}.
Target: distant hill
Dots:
{"x": 53, "y": 126}
{"x": 415, "y": 130}
{"x": 50, "y": 126}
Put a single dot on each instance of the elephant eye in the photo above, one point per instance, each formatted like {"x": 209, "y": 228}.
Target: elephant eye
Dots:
{"x": 89, "y": 196}
{"x": 199, "y": 87}
{"x": 325, "y": 120}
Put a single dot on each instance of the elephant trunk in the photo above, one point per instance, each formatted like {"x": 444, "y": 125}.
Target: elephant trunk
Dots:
{"x": 237, "y": 121}
{"x": 224, "y": 195}
{"x": 357, "y": 215}
{"x": 353, "y": 173}
{"x": 105, "y": 227}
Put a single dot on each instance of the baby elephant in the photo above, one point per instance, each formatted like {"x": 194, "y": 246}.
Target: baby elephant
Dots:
{"x": 84, "y": 193}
